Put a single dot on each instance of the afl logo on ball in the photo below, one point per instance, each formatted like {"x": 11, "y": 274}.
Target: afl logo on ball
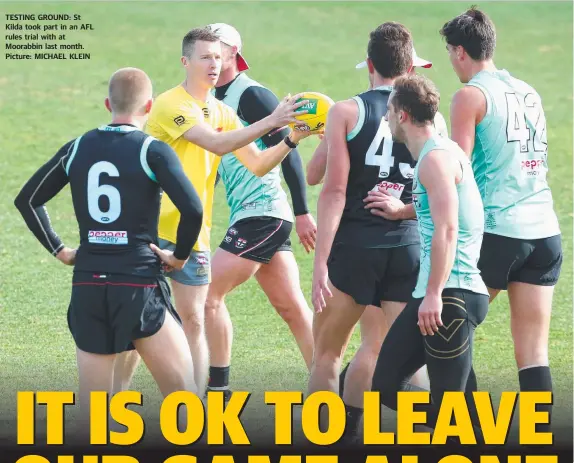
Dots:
{"x": 179, "y": 120}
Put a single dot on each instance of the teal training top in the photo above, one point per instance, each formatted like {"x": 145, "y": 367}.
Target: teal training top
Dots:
{"x": 464, "y": 273}
{"x": 249, "y": 195}
{"x": 510, "y": 159}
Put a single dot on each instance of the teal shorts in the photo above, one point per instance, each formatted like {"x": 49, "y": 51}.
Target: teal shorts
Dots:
{"x": 197, "y": 271}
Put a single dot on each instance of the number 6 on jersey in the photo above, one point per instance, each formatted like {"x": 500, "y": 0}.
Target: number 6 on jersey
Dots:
{"x": 95, "y": 191}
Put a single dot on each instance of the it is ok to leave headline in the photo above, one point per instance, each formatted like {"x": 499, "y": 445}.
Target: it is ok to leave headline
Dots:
{"x": 216, "y": 418}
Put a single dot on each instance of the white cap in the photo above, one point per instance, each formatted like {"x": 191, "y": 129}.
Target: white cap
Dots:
{"x": 230, "y": 36}
{"x": 417, "y": 62}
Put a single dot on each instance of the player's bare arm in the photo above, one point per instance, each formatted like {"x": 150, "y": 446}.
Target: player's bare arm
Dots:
{"x": 385, "y": 205}
{"x": 261, "y": 162}
{"x": 318, "y": 164}
{"x": 331, "y": 201}
{"x": 222, "y": 143}
{"x": 46, "y": 183}
{"x": 438, "y": 175}
{"x": 467, "y": 109}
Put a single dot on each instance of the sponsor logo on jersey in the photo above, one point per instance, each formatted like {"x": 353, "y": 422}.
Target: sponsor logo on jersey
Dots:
{"x": 232, "y": 231}
{"x": 532, "y": 168}
{"x": 240, "y": 243}
{"x": 201, "y": 260}
{"x": 108, "y": 237}
{"x": 249, "y": 206}
{"x": 179, "y": 120}
{"x": 205, "y": 112}
{"x": 228, "y": 239}
{"x": 406, "y": 170}
{"x": 394, "y": 189}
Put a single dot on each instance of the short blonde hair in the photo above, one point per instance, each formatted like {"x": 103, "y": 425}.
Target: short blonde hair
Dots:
{"x": 128, "y": 91}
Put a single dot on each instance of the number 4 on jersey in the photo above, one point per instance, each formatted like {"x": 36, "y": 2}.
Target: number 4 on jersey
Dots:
{"x": 385, "y": 160}
{"x": 519, "y": 126}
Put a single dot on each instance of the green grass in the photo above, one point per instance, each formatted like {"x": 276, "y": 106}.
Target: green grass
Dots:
{"x": 291, "y": 47}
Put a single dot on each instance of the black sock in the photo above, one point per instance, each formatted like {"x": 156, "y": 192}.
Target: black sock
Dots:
{"x": 342, "y": 380}
{"x": 218, "y": 377}
{"x": 537, "y": 379}
{"x": 354, "y": 415}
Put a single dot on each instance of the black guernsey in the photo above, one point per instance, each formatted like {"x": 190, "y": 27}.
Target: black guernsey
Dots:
{"x": 376, "y": 160}
{"x": 116, "y": 173}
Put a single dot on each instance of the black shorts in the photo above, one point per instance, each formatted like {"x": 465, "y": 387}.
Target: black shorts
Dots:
{"x": 258, "y": 238}
{"x": 108, "y": 312}
{"x": 504, "y": 260}
{"x": 372, "y": 275}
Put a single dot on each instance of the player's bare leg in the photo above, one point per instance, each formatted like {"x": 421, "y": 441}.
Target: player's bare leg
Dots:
{"x": 374, "y": 323}
{"x": 228, "y": 271}
{"x": 332, "y": 329}
{"x": 95, "y": 374}
{"x": 190, "y": 305}
{"x": 530, "y": 313}
{"x": 279, "y": 279}
{"x": 187, "y": 299}
{"x": 168, "y": 358}
{"x": 124, "y": 370}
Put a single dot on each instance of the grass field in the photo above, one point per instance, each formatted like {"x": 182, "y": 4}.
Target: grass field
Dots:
{"x": 291, "y": 47}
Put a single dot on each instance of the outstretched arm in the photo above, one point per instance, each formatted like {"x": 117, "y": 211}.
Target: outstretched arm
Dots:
{"x": 225, "y": 142}
{"x": 257, "y": 103}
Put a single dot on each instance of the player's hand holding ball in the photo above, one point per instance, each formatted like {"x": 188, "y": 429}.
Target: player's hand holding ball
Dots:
{"x": 312, "y": 115}
{"x": 169, "y": 260}
{"x": 285, "y": 113}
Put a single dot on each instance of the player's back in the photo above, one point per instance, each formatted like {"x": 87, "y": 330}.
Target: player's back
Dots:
{"x": 510, "y": 159}
{"x": 375, "y": 160}
{"x": 116, "y": 201}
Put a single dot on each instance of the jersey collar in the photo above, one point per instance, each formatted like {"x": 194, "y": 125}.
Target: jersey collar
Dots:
{"x": 221, "y": 92}
{"x": 118, "y": 128}
{"x": 386, "y": 88}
